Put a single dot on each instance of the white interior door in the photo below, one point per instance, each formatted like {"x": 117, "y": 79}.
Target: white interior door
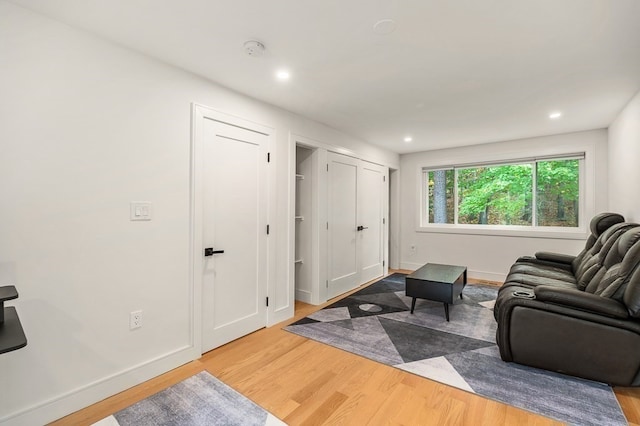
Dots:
{"x": 234, "y": 277}
{"x": 356, "y": 206}
{"x": 371, "y": 196}
{"x": 343, "y": 221}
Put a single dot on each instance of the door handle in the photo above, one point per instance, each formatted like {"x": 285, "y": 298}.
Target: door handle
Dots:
{"x": 209, "y": 251}
{"x": 360, "y": 228}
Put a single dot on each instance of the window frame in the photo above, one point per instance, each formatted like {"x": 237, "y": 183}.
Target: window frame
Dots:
{"x": 533, "y": 231}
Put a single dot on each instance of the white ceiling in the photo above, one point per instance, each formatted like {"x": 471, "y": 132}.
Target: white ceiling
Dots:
{"x": 454, "y": 72}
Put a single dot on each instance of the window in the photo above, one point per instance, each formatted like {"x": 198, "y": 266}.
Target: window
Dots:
{"x": 527, "y": 193}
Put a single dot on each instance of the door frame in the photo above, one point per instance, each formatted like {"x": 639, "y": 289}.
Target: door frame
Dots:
{"x": 199, "y": 113}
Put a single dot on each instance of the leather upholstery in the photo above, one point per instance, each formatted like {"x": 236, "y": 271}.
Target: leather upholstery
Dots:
{"x": 583, "y": 321}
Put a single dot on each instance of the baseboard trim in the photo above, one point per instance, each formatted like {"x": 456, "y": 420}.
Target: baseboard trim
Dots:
{"x": 410, "y": 266}
{"x": 303, "y": 296}
{"x": 83, "y": 396}
{"x": 487, "y": 276}
{"x": 471, "y": 273}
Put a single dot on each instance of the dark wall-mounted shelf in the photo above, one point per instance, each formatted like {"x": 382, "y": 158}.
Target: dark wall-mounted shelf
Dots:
{"x": 11, "y": 334}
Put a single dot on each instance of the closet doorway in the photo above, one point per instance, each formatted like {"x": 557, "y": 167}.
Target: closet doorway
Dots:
{"x": 307, "y": 233}
{"x": 341, "y": 210}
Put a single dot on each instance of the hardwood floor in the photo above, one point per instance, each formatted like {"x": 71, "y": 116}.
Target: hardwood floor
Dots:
{"x": 304, "y": 382}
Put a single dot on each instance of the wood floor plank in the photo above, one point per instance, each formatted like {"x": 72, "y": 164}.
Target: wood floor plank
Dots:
{"x": 309, "y": 383}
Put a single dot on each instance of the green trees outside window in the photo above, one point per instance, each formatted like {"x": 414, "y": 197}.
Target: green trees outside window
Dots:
{"x": 535, "y": 193}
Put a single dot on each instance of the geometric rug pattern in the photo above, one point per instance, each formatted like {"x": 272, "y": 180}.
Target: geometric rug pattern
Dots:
{"x": 197, "y": 401}
{"x": 376, "y": 323}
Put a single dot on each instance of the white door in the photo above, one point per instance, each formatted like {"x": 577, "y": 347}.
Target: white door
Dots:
{"x": 356, "y": 194}
{"x": 343, "y": 223}
{"x": 234, "y": 276}
{"x": 371, "y": 196}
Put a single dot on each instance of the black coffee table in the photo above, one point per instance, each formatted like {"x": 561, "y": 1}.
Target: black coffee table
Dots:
{"x": 440, "y": 283}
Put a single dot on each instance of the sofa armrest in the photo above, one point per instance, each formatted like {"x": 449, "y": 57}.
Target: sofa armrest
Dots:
{"x": 555, "y": 257}
{"x": 580, "y": 300}
{"x": 543, "y": 262}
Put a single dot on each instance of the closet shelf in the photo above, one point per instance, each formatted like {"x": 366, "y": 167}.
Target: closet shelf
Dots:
{"x": 299, "y": 261}
{"x": 299, "y": 176}
{"x": 299, "y": 217}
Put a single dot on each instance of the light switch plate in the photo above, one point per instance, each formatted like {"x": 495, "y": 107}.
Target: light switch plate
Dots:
{"x": 140, "y": 210}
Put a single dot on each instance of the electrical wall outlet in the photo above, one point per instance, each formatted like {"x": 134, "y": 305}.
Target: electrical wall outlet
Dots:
{"x": 135, "y": 320}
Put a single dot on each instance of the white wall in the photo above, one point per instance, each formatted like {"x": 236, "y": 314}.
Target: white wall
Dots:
{"x": 85, "y": 128}
{"x": 490, "y": 256}
{"x": 624, "y": 161}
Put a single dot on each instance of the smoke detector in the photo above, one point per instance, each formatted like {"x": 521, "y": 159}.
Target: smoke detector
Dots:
{"x": 384, "y": 27}
{"x": 254, "y": 48}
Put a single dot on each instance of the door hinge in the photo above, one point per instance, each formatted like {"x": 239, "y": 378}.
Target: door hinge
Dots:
{"x": 268, "y": 157}
{"x": 267, "y": 301}
{"x": 327, "y": 283}
{"x": 327, "y": 166}
{"x": 383, "y": 221}
{"x": 383, "y": 263}
{"x": 267, "y": 229}
{"x": 327, "y": 225}
{"x": 384, "y": 178}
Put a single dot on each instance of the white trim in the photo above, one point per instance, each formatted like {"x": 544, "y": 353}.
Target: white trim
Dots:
{"x": 275, "y": 314}
{"x": 394, "y": 219}
{"x": 83, "y": 396}
{"x": 314, "y": 143}
{"x": 508, "y": 162}
{"x": 195, "y": 226}
{"x": 471, "y": 273}
{"x": 557, "y": 233}
{"x": 304, "y": 296}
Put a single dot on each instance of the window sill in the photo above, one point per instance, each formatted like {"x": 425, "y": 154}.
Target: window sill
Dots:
{"x": 507, "y": 231}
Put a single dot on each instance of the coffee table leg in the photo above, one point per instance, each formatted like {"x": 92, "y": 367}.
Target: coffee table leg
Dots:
{"x": 446, "y": 311}
{"x": 413, "y": 304}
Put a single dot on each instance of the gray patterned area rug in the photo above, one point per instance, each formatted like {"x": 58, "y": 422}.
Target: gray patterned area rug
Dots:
{"x": 376, "y": 323}
{"x": 197, "y": 401}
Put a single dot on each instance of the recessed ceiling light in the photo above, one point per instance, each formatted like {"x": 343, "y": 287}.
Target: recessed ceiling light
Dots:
{"x": 408, "y": 139}
{"x": 555, "y": 115}
{"x": 283, "y": 75}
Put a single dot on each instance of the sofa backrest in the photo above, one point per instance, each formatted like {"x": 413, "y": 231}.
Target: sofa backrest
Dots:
{"x": 589, "y": 272}
{"x": 621, "y": 280}
{"x": 598, "y": 225}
